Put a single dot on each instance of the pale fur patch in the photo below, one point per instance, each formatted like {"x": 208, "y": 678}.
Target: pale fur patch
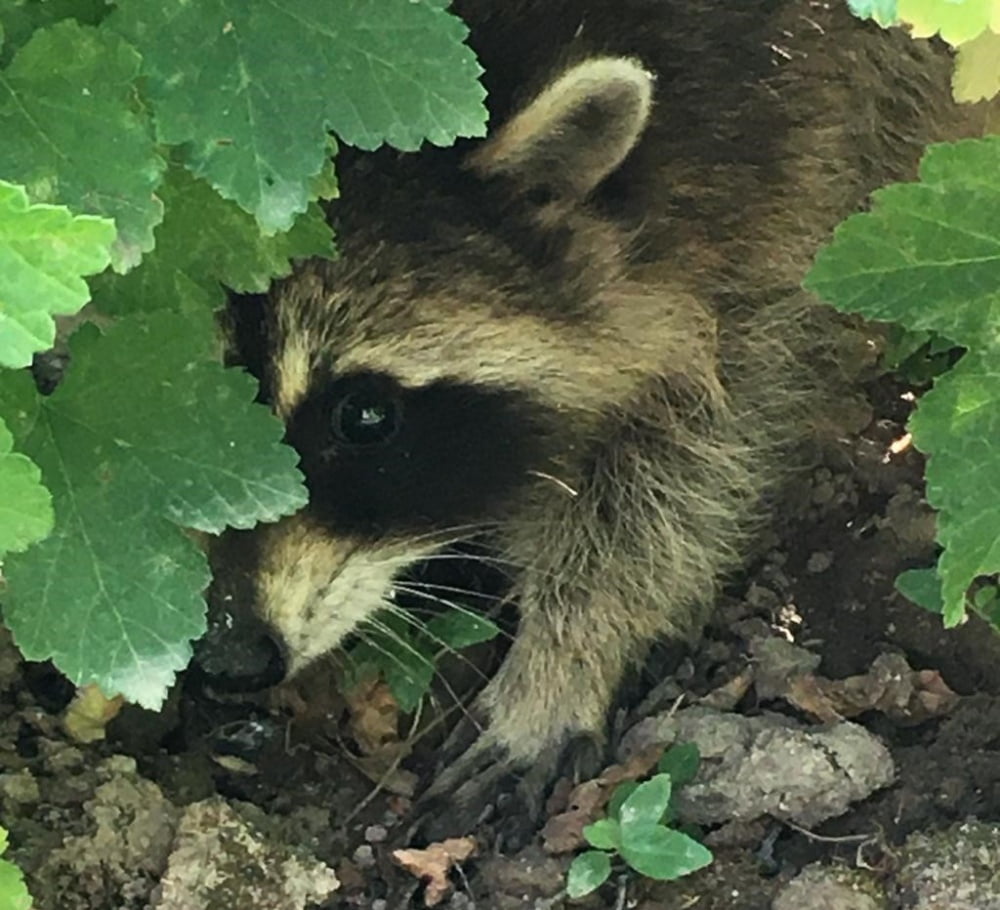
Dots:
{"x": 643, "y": 331}
{"x": 314, "y": 589}
{"x": 620, "y": 84}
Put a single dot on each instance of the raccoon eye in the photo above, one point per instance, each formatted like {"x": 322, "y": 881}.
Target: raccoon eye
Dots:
{"x": 366, "y": 419}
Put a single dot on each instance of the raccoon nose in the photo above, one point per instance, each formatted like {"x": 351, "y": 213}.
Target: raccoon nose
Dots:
{"x": 239, "y": 654}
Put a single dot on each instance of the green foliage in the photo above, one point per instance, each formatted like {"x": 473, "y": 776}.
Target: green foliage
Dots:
{"x": 388, "y": 71}
{"x": 405, "y": 651}
{"x": 25, "y": 505}
{"x": 44, "y": 252}
{"x": 45, "y": 113}
{"x": 637, "y": 829}
{"x": 117, "y": 111}
{"x": 191, "y": 264}
{"x": 882, "y": 11}
{"x": 13, "y": 893}
{"x": 113, "y": 595}
{"x": 957, "y": 21}
{"x": 928, "y": 256}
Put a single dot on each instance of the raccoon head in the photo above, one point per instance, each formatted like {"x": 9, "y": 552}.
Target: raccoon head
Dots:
{"x": 462, "y": 352}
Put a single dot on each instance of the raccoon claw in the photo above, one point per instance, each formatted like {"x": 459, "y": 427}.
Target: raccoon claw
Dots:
{"x": 485, "y": 778}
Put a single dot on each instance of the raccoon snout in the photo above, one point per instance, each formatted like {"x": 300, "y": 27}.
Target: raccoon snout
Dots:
{"x": 239, "y": 653}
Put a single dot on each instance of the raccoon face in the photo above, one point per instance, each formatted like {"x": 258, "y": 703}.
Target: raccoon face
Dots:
{"x": 457, "y": 359}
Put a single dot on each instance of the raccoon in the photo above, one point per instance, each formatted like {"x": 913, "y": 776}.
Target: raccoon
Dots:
{"x": 582, "y": 338}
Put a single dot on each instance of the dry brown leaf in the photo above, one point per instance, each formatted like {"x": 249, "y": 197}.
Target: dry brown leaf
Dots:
{"x": 432, "y": 864}
{"x": 890, "y": 686}
{"x": 374, "y": 721}
{"x": 89, "y": 713}
{"x": 585, "y": 803}
{"x": 727, "y": 696}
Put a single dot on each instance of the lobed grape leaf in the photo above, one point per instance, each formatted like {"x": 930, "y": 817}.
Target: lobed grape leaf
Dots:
{"x": 19, "y": 19}
{"x": 977, "y": 69}
{"x": 251, "y": 88}
{"x": 957, "y": 424}
{"x": 25, "y": 505}
{"x": 144, "y": 435}
{"x": 73, "y": 133}
{"x": 44, "y": 250}
{"x": 957, "y": 21}
{"x": 928, "y": 256}
{"x": 203, "y": 243}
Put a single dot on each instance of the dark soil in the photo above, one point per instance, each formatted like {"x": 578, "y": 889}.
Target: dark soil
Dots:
{"x": 825, "y": 582}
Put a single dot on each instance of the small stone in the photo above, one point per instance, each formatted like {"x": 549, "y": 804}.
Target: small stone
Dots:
{"x": 364, "y": 857}
{"x": 19, "y": 787}
{"x": 376, "y": 834}
{"x": 380, "y": 904}
{"x": 819, "y": 562}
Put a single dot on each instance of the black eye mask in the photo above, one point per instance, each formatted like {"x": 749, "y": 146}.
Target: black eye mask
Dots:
{"x": 380, "y": 458}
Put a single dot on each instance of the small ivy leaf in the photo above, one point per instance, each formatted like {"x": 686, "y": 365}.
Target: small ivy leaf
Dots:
{"x": 25, "y": 504}
{"x": 646, "y": 805}
{"x": 44, "y": 252}
{"x": 681, "y": 763}
{"x": 405, "y": 660}
{"x": 622, "y": 792}
{"x": 662, "y": 853}
{"x": 604, "y": 834}
{"x": 460, "y": 628}
{"x": 587, "y": 873}
{"x": 921, "y": 587}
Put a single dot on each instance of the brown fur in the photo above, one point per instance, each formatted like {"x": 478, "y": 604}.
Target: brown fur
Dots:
{"x": 631, "y": 284}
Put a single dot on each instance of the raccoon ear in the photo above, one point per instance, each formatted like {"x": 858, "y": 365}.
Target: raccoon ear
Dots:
{"x": 576, "y": 131}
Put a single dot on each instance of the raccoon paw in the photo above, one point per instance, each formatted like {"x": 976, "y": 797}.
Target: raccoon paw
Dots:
{"x": 486, "y": 777}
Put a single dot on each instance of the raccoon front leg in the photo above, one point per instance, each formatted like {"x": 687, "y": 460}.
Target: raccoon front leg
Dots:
{"x": 634, "y": 554}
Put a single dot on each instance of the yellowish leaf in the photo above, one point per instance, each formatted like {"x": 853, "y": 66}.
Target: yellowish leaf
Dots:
{"x": 977, "y": 69}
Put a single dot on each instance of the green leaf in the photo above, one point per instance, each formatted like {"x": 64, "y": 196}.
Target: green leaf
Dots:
{"x": 251, "y": 88}
{"x": 957, "y": 21}
{"x": 73, "y": 133}
{"x": 957, "y": 424}
{"x": 928, "y": 256}
{"x": 13, "y": 893}
{"x": 406, "y": 660}
{"x": 203, "y": 243}
{"x": 922, "y": 587}
{"x": 460, "y": 628}
{"x": 21, "y": 18}
{"x": 622, "y": 792}
{"x": 44, "y": 251}
{"x": 681, "y": 763}
{"x": 25, "y": 505}
{"x": 587, "y": 873}
{"x": 145, "y": 434}
{"x": 882, "y": 11}
{"x": 605, "y": 834}
{"x": 646, "y": 805}
{"x": 662, "y": 853}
